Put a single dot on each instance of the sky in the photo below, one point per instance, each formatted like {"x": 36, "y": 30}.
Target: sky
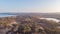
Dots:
{"x": 30, "y": 6}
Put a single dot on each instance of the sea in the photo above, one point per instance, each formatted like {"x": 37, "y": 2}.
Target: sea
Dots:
{"x": 6, "y": 15}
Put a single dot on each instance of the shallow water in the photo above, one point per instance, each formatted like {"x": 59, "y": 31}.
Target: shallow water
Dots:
{"x": 51, "y": 19}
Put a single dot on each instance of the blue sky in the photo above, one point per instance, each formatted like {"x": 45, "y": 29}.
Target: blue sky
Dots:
{"x": 28, "y": 6}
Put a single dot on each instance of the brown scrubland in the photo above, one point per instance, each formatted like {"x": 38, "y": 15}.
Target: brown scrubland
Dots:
{"x": 27, "y": 25}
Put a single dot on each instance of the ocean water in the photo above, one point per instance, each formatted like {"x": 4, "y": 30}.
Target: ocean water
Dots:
{"x": 6, "y": 15}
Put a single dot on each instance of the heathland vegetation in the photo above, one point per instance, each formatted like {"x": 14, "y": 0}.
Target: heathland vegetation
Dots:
{"x": 28, "y": 25}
